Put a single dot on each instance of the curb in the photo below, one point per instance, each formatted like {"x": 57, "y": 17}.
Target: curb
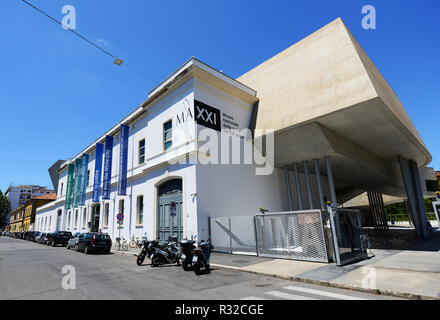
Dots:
{"x": 397, "y": 294}
{"x": 125, "y": 252}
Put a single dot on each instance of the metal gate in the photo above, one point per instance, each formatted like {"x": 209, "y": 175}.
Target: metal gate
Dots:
{"x": 297, "y": 235}
{"x": 347, "y": 236}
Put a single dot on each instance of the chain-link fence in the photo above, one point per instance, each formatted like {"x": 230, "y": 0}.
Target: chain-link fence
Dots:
{"x": 298, "y": 235}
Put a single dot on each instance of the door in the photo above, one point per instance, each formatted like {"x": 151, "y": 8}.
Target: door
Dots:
{"x": 170, "y": 210}
{"x": 96, "y": 211}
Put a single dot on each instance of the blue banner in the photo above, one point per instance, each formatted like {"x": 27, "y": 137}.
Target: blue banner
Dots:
{"x": 76, "y": 186}
{"x": 98, "y": 172}
{"x": 83, "y": 182}
{"x": 107, "y": 179}
{"x": 123, "y": 160}
{"x": 69, "y": 191}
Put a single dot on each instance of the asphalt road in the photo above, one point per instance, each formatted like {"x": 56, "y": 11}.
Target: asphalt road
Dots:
{"x": 33, "y": 271}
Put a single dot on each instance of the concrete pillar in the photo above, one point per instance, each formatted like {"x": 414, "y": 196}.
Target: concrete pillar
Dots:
{"x": 289, "y": 192}
{"x": 330, "y": 181}
{"x": 309, "y": 189}
{"x": 415, "y": 195}
{"x": 298, "y": 187}
{"x": 318, "y": 183}
{"x": 420, "y": 198}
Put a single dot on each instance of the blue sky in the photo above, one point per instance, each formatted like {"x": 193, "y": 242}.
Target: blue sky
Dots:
{"x": 58, "y": 93}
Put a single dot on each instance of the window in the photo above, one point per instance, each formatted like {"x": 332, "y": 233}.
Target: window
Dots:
{"x": 140, "y": 210}
{"x": 167, "y": 134}
{"x": 68, "y": 220}
{"x": 75, "y": 225}
{"x": 61, "y": 191}
{"x": 88, "y": 178}
{"x": 121, "y": 207}
{"x": 84, "y": 218}
{"x": 50, "y": 221}
{"x": 142, "y": 151}
{"x": 106, "y": 213}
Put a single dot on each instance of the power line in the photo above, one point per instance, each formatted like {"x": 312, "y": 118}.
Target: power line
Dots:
{"x": 116, "y": 61}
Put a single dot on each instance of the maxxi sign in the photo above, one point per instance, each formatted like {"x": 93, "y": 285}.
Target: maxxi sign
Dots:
{"x": 207, "y": 116}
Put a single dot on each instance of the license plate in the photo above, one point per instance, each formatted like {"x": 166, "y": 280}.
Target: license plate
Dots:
{"x": 195, "y": 258}
{"x": 183, "y": 257}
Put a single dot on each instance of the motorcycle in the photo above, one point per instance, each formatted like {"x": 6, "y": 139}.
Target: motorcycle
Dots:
{"x": 200, "y": 260}
{"x": 166, "y": 253}
{"x": 148, "y": 248}
{"x": 187, "y": 254}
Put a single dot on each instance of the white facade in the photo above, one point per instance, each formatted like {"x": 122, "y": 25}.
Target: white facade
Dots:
{"x": 208, "y": 190}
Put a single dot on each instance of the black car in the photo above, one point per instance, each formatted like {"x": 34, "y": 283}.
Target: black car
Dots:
{"x": 94, "y": 241}
{"x": 58, "y": 237}
{"x": 26, "y": 235}
{"x": 31, "y": 236}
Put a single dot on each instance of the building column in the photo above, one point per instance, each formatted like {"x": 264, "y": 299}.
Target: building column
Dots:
{"x": 309, "y": 189}
{"x": 318, "y": 183}
{"x": 415, "y": 195}
{"x": 330, "y": 181}
{"x": 289, "y": 191}
{"x": 298, "y": 187}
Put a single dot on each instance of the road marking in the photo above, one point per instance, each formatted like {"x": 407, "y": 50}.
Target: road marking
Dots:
{"x": 287, "y": 296}
{"x": 252, "y": 298}
{"x": 324, "y": 293}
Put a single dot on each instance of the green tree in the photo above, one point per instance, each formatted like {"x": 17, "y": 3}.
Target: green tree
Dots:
{"x": 5, "y": 206}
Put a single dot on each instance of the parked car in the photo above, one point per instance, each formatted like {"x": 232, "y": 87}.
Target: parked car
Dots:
{"x": 59, "y": 237}
{"x": 27, "y": 234}
{"x": 35, "y": 235}
{"x": 73, "y": 241}
{"x": 44, "y": 239}
{"x": 40, "y": 237}
{"x": 94, "y": 241}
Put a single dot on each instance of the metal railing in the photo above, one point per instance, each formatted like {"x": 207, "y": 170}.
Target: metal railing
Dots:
{"x": 296, "y": 235}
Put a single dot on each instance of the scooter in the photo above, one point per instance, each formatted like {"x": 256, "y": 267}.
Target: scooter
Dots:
{"x": 187, "y": 254}
{"x": 166, "y": 254}
{"x": 200, "y": 260}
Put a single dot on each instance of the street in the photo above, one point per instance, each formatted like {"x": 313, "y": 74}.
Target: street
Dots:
{"x": 33, "y": 271}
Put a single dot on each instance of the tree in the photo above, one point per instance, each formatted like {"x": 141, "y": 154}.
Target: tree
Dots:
{"x": 5, "y": 207}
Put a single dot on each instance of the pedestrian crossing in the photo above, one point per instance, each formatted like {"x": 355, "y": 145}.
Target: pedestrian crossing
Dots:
{"x": 302, "y": 293}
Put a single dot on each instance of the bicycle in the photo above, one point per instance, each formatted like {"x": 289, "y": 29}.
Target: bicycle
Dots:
{"x": 135, "y": 243}
{"x": 122, "y": 244}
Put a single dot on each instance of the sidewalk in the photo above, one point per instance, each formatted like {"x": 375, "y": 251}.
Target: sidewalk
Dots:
{"x": 413, "y": 274}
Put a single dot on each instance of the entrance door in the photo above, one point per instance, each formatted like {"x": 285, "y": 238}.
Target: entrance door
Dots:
{"x": 170, "y": 210}
{"x": 59, "y": 214}
{"x": 96, "y": 211}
